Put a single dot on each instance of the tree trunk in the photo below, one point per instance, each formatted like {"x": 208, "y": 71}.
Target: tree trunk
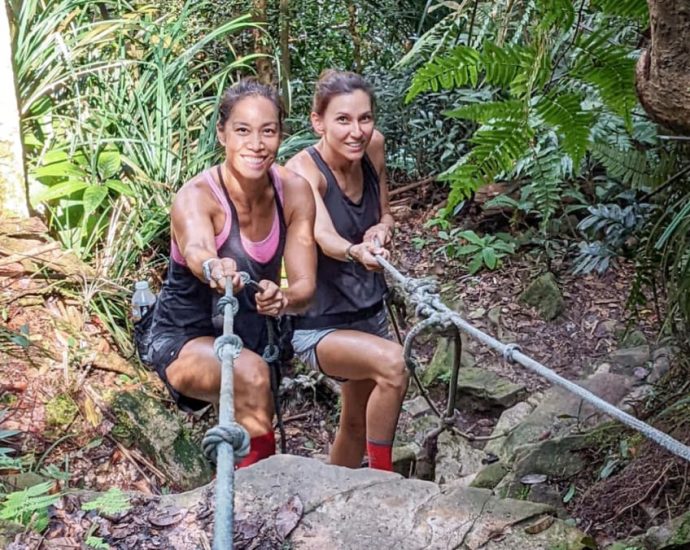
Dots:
{"x": 356, "y": 38}
{"x": 663, "y": 71}
{"x": 264, "y": 65}
{"x": 13, "y": 198}
{"x": 285, "y": 51}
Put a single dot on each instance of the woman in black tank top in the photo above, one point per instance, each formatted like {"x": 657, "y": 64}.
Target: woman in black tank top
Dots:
{"x": 344, "y": 332}
{"x": 239, "y": 216}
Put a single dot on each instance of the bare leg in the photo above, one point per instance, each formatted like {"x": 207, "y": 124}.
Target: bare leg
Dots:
{"x": 196, "y": 373}
{"x": 348, "y": 447}
{"x": 359, "y": 356}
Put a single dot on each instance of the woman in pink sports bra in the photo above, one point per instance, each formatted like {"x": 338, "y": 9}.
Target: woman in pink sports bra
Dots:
{"x": 244, "y": 215}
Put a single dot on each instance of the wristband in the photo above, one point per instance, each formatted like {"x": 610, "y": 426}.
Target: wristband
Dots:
{"x": 348, "y": 254}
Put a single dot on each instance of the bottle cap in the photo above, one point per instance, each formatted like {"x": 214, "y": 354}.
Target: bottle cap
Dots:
{"x": 141, "y": 285}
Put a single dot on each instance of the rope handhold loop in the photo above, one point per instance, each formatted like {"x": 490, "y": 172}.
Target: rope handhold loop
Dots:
{"x": 228, "y": 300}
{"x": 508, "y": 352}
{"x": 227, "y": 343}
{"x": 234, "y": 435}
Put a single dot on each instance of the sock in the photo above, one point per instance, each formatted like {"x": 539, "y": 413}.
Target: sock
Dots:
{"x": 380, "y": 455}
{"x": 261, "y": 446}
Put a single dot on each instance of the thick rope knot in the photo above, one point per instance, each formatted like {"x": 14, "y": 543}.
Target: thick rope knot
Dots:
{"x": 508, "y": 352}
{"x": 228, "y": 300}
{"x": 234, "y": 435}
{"x": 271, "y": 353}
{"x": 227, "y": 343}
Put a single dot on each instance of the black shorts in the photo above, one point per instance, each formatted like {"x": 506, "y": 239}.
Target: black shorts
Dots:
{"x": 165, "y": 349}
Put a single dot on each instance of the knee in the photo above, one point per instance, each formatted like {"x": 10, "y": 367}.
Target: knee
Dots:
{"x": 394, "y": 374}
{"x": 252, "y": 377}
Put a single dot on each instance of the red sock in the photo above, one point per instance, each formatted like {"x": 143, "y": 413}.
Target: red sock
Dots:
{"x": 380, "y": 455}
{"x": 261, "y": 446}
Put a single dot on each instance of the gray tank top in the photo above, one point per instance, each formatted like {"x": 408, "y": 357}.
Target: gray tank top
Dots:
{"x": 346, "y": 291}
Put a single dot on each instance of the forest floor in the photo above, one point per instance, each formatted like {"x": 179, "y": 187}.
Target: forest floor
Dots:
{"x": 80, "y": 452}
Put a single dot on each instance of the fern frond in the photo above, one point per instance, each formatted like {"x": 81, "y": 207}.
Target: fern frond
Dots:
{"x": 454, "y": 70}
{"x": 489, "y": 111}
{"x": 563, "y": 112}
{"x": 110, "y": 503}
{"x": 497, "y": 149}
{"x": 629, "y": 9}
{"x": 502, "y": 65}
{"x": 610, "y": 70}
{"x": 558, "y": 13}
{"x": 630, "y": 166}
{"x": 545, "y": 187}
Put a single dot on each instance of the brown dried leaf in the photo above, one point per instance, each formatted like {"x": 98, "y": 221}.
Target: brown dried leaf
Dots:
{"x": 288, "y": 517}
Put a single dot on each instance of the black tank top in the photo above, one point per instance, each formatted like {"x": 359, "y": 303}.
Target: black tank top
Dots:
{"x": 346, "y": 291}
{"x": 188, "y": 307}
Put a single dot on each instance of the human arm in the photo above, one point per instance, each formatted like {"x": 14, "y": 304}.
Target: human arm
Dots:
{"x": 194, "y": 217}
{"x": 329, "y": 240}
{"x": 300, "y": 250}
{"x": 383, "y": 231}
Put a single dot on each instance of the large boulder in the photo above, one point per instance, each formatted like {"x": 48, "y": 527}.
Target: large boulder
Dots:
{"x": 296, "y": 502}
{"x": 486, "y": 390}
{"x": 144, "y": 421}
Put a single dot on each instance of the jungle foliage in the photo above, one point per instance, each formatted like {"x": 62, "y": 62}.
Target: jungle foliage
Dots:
{"x": 117, "y": 101}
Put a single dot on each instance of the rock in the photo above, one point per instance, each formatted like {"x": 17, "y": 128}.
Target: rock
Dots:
{"x": 490, "y": 476}
{"x": 417, "y": 407}
{"x": 634, "y": 338}
{"x": 672, "y": 535}
{"x": 660, "y": 367}
{"x": 494, "y": 316}
{"x": 509, "y": 419}
{"x": 441, "y": 363}
{"x": 626, "y": 359}
{"x": 487, "y": 390}
{"x": 554, "y": 458}
{"x": 546, "y": 494}
{"x": 559, "y": 411}
{"x": 456, "y": 458}
{"x": 477, "y": 313}
{"x": 543, "y": 294}
{"x": 161, "y": 436}
{"x": 405, "y": 458}
{"x": 640, "y": 373}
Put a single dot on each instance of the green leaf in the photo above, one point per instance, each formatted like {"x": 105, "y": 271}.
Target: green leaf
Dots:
{"x": 109, "y": 164}
{"x": 110, "y": 503}
{"x": 97, "y": 543}
{"x": 61, "y": 190}
{"x": 121, "y": 187}
{"x": 93, "y": 197}
{"x": 489, "y": 257}
{"x": 475, "y": 264}
{"x": 466, "y": 249}
{"x": 472, "y": 237}
{"x": 453, "y": 70}
{"x": 570, "y": 493}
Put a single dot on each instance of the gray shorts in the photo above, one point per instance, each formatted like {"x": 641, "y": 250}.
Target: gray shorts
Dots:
{"x": 305, "y": 342}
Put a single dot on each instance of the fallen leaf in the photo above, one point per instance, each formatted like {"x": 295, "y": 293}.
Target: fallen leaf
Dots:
{"x": 542, "y": 524}
{"x": 288, "y": 517}
{"x": 533, "y": 479}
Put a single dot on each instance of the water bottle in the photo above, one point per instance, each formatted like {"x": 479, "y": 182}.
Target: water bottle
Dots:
{"x": 142, "y": 300}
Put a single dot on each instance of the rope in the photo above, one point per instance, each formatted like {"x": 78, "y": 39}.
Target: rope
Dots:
{"x": 229, "y": 440}
{"x": 423, "y": 293}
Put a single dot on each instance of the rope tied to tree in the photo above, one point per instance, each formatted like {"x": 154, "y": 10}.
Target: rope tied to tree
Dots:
{"x": 422, "y": 293}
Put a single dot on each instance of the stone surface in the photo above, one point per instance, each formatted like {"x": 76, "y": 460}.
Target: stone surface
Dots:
{"x": 629, "y": 358}
{"x": 488, "y": 390}
{"x": 560, "y": 410}
{"x": 438, "y": 369}
{"x": 417, "y": 407}
{"x": 544, "y": 295}
{"x": 160, "y": 435}
{"x": 509, "y": 419}
{"x": 555, "y": 458}
{"x": 490, "y": 476}
{"x": 456, "y": 458}
{"x": 633, "y": 339}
